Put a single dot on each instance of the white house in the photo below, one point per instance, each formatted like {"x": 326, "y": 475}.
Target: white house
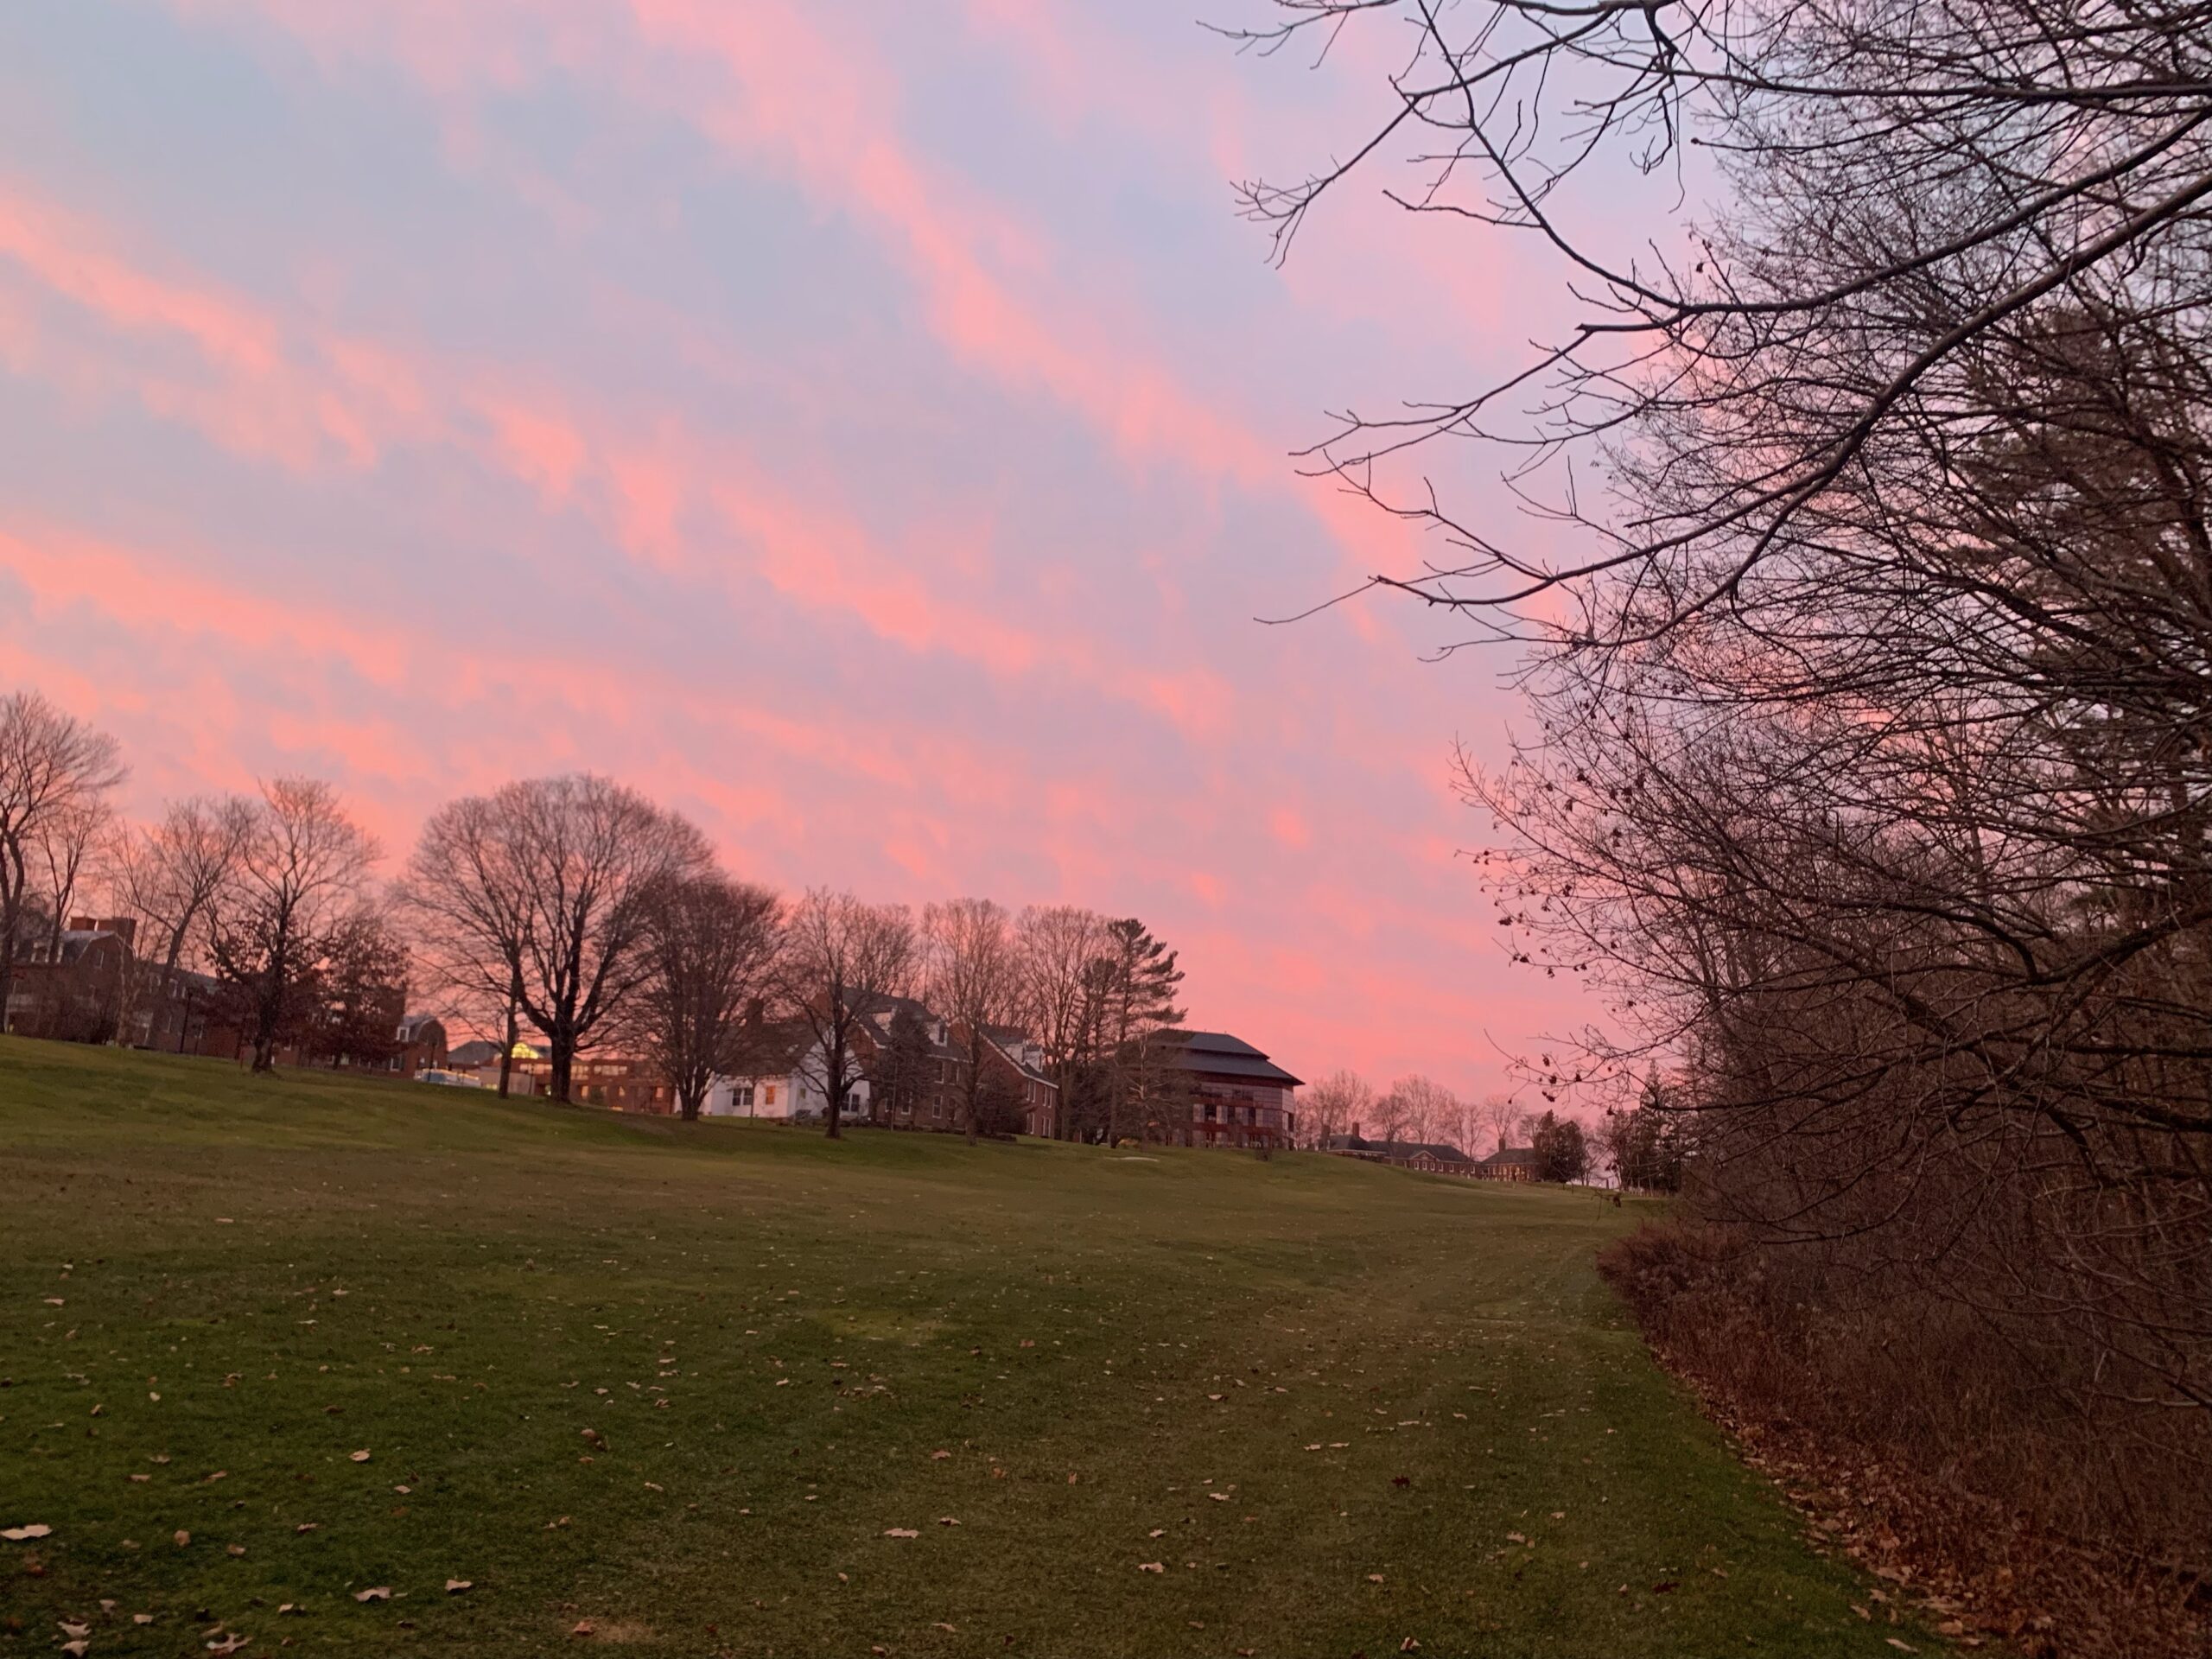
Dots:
{"x": 784, "y": 1080}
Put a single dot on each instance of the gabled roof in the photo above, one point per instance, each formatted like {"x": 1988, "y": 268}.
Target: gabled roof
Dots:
{"x": 1442, "y": 1151}
{"x": 1508, "y": 1155}
{"x": 1012, "y": 1041}
{"x": 879, "y": 1011}
{"x": 772, "y": 1048}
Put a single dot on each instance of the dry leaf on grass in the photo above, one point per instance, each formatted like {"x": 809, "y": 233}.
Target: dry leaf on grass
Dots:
{"x": 19, "y": 1535}
{"x": 455, "y": 1586}
{"x": 900, "y": 1532}
{"x": 1151, "y": 1567}
{"x": 381, "y": 1593}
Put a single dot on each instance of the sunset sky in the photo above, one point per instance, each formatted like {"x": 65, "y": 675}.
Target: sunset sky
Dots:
{"x": 863, "y": 426}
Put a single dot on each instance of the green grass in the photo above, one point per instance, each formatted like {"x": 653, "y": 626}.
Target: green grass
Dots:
{"x": 214, "y": 1289}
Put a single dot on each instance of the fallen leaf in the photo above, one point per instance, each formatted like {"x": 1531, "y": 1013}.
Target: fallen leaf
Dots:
{"x": 68, "y": 1629}
{"x": 1902, "y": 1647}
{"x": 182, "y": 1538}
{"x": 1157, "y": 1532}
{"x": 77, "y": 1650}
{"x": 584, "y": 1627}
{"x": 1151, "y": 1567}
{"x": 455, "y": 1586}
{"x": 361, "y": 1457}
{"x": 307, "y": 1526}
{"x": 17, "y": 1535}
{"x": 229, "y": 1644}
{"x": 1375, "y": 1578}
{"x": 935, "y": 1456}
{"x": 1219, "y": 1498}
{"x": 235, "y": 1549}
{"x": 1409, "y": 1646}
{"x": 1402, "y": 1480}
{"x": 946, "y": 1521}
{"x": 381, "y": 1593}
{"x": 900, "y": 1532}
{"x": 147, "y": 1618}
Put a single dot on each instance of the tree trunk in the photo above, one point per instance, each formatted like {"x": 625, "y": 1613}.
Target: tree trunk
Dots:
{"x": 564, "y": 1061}
{"x": 507, "y": 1048}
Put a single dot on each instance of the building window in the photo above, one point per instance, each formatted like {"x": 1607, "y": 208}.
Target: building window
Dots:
{"x": 768, "y": 1095}
{"x": 740, "y": 1094}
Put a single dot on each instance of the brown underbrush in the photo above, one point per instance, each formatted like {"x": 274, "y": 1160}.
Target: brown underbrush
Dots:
{"x": 1925, "y": 1441}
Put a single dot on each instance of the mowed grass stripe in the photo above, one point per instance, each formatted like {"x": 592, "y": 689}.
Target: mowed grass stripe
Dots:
{"x": 771, "y": 1338}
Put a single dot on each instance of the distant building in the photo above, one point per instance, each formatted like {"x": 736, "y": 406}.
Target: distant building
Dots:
{"x": 422, "y": 1039}
{"x": 69, "y": 985}
{"x": 1016, "y": 1060}
{"x": 1511, "y": 1164}
{"x": 781, "y": 1078}
{"x": 1234, "y": 1094}
{"x": 1435, "y": 1157}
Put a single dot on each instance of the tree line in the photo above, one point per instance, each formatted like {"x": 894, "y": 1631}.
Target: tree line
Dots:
{"x": 1870, "y": 780}
{"x": 577, "y": 910}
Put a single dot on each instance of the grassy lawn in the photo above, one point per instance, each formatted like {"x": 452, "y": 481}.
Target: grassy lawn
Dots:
{"x": 727, "y": 1389}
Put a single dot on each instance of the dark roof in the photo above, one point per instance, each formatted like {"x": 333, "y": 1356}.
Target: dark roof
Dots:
{"x": 879, "y": 1011}
{"x": 75, "y": 941}
{"x": 773, "y": 1047}
{"x": 1440, "y": 1150}
{"x": 481, "y": 1051}
{"x": 1505, "y": 1156}
{"x": 1010, "y": 1040}
{"x": 1218, "y": 1054}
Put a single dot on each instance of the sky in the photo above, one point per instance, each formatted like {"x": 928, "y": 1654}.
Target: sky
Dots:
{"x": 864, "y": 426}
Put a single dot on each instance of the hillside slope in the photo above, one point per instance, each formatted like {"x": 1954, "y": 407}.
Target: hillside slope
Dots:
{"x": 728, "y": 1388}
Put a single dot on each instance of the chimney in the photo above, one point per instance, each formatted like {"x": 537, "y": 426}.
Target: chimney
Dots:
{"x": 756, "y": 1011}
{"x": 80, "y": 924}
{"x": 124, "y": 928}
{"x": 1355, "y": 1131}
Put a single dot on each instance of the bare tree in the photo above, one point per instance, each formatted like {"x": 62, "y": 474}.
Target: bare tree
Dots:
{"x": 973, "y": 977}
{"x": 535, "y": 897}
{"x": 1057, "y": 949}
{"x": 1418, "y": 1109}
{"x": 466, "y": 898}
{"x": 710, "y": 949}
{"x": 166, "y": 876}
{"x": 71, "y": 843}
{"x": 1341, "y": 1103}
{"x": 1500, "y": 1118}
{"x": 1870, "y": 779}
{"x": 51, "y": 765}
{"x": 297, "y": 876}
{"x": 842, "y": 959}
